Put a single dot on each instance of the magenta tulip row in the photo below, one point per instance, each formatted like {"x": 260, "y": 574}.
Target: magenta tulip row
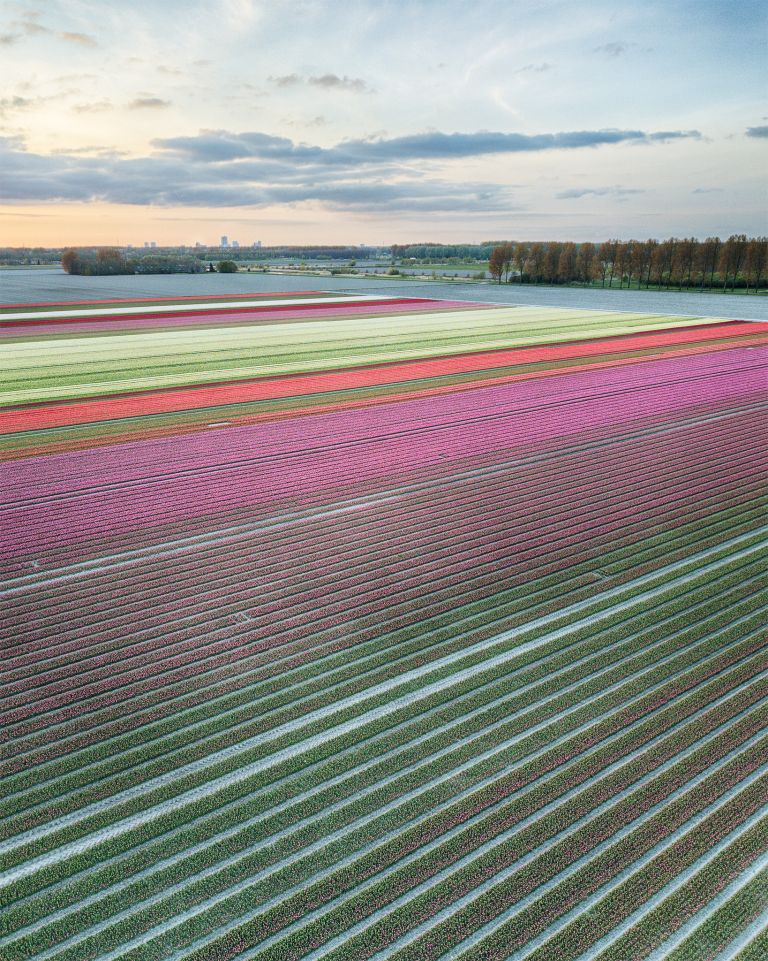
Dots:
{"x": 435, "y": 509}
{"x": 394, "y": 534}
{"x": 445, "y": 577}
{"x": 156, "y": 457}
{"x": 271, "y": 483}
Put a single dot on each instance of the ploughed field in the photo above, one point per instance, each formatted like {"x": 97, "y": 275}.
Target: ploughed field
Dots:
{"x": 349, "y": 627}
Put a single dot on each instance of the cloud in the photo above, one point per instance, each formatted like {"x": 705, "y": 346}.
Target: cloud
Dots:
{"x": 455, "y": 145}
{"x": 619, "y": 192}
{"x": 176, "y": 181}
{"x": 665, "y": 135}
{"x": 15, "y": 103}
{"x": 613, "y": 49}
{"x": 219, "y": 168}
{"x": 288, "y": 80}
{"x": 757, "y": 131}
{"x": 97, "y": 106}
{"x": 617, "y": 48}
{"x": 148, "y": 103}
{"x": 534, "y": 68}
{"x": 215, "y": 146}
{"x": 29, "y": 26}
{"x": 331, "y": 81}
{"x": 303, "y": 122}
{"x": 92, "y": 150}
{"x": 81, "y": 39}
{"x": 327, "y": 81}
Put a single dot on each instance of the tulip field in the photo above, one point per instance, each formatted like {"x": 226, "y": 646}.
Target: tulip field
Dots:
{"x": 361, "y": 627}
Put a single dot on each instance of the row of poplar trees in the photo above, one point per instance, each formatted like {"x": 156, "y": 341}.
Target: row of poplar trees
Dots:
{"x": 738, "y": 262}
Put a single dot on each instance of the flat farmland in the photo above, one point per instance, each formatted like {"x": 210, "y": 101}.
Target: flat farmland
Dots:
{"x": 32, "y": 285}
{"x": 362, "y": 625}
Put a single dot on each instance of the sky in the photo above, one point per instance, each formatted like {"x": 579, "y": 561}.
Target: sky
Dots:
{"x": 381, "y": 121}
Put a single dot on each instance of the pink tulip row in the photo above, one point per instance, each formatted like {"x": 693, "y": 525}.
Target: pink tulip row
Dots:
{"x": 261, "y": 625}
{"x": 253, "y": 625}
{"x": 196, "y": 698}
{"x": 330, "y": 471}
{"x": 513, "y": 487}
{"x": 327, "y": 456}
{"x": 141, "y": 460}
{"x": 391, "y": 530}
{"x": 490, "y": 555}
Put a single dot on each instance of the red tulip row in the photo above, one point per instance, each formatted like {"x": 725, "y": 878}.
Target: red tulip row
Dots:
{"x": 144, "y": 403}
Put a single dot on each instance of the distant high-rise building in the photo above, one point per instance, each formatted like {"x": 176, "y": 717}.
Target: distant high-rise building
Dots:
{"x": 153, "y": 243}
{"x": 236, "y": 244}
{"x": 224, "y": 241}
{"x": 146, "y": 243}
{"x": 256, "y": 244}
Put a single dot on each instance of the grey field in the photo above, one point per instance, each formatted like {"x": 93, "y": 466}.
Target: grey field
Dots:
{"x": 34, "y": 285}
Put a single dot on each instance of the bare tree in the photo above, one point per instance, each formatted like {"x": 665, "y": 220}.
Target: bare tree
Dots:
{"x": 629, "y": 260}
{"x": 732, "y": 257}
{"x": 683, "y": 261}
{"x": 710, "y": 256}
{"x": 535, "y": 261}
{"x": 665, "y": 258}
{"x": 585, "y": 262}
{"x": 509, "y": 259}
{"x": 69, "y": 261}
{"x": 550, "y": 261}
{"x": 566, "y": 264}
{"x": 756, "y": 261}
{"x": 606, "y": 256}
{"x": 623, "y": 253}
{"x": 496, "y": 263}
{"x": 641, "y": 256}
{"x": 521, "y": 256}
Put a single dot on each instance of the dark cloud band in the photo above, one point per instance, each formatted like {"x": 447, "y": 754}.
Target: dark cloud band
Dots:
{"x": 224, "y": 169}
{"x": 217, "y": 145}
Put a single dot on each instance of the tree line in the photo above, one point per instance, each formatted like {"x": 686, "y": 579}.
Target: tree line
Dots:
{"x": 740, "y": 262}
{"x": 442, "y": 252}
{"x": 110, "y": 261}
